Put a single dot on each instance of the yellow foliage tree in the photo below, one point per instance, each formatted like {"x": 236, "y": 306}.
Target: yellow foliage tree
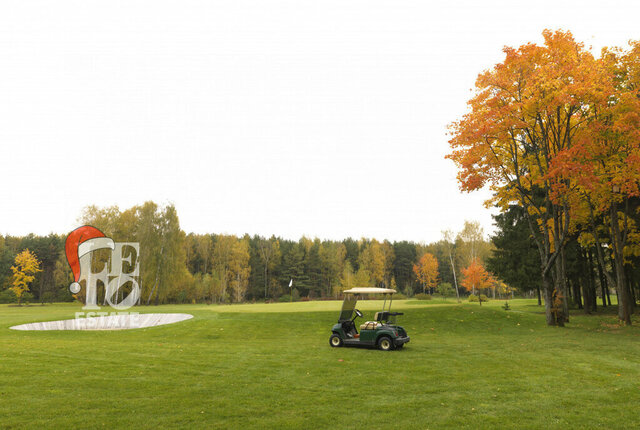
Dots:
{"x": 373, "y": 260}
{"x": 427, "y": 271}
{"x": 239, "y": 269}
{"x": 26, "y": 266}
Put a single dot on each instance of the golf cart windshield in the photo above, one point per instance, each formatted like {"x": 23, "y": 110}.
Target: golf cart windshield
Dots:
{"x": 348, "y": 306}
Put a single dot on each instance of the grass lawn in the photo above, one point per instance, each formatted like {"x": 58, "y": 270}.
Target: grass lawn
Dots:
{"x": 271, "y": 366}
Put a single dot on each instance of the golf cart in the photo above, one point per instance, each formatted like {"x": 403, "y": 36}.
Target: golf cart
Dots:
{"x": 381, "y": 332}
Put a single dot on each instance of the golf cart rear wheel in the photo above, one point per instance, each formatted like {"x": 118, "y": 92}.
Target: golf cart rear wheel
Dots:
{"x": 385, "y": 343}
{"x": 335, "y": 340}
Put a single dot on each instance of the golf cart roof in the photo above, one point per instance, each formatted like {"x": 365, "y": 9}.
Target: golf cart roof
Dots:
{"x": 370, "y": 291}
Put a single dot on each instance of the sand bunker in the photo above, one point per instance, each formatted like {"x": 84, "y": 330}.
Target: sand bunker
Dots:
{"x": 109, "y": 322}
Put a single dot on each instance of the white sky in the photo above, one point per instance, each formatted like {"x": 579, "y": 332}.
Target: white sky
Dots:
{"x": 324, "y": 118}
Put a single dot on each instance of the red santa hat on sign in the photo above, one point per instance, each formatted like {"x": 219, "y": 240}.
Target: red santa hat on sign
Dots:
{"x": 82, "y": 241}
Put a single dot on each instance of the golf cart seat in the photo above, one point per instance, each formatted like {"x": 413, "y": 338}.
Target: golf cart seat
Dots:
{"x": 385, "y": 315}
{"x": 381, "y": 316}
{"x": 369, "y": 325}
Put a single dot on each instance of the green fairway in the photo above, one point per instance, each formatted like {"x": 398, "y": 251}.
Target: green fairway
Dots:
{"x": 271, "y": 366}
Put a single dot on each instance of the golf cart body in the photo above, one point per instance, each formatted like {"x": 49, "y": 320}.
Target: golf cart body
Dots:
{"x": 381, "y": 332}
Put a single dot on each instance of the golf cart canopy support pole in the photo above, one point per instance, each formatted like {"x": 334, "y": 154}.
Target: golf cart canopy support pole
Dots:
{"x": 385, "y": 301}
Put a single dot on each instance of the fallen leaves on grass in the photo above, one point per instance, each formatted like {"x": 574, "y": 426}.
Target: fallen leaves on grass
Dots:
{"x": 613, "y": 326}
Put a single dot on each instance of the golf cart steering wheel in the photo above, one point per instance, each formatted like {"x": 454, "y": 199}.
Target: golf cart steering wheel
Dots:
{"x": 358, "y": 313}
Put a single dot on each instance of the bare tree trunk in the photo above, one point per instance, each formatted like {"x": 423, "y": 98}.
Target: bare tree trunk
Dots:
{"x": 630, "y": 290}
{"x": 624, "y": 308}
{"x": 548, "y": 299}
{"x": 265, "y": 253}
{"x": 586, "y": 283}
{"x": 592, "y": 283}
{"x": 603, "y": 282}
{"x": 587, "y": 300}
{"x": 576, "y": 294}
{"x": 224, "y": 284}
{"x": 266, "y": 278}
{"x": 547, "y": 259}
{"x": 561, "y": 281}
{"x": 455, "y": 280}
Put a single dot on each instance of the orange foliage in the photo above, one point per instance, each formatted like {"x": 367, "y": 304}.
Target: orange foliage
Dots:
{"x": 527, "y": 111}
{"x": 557, "y": 131}
{"x": 475, "y": 277}
{"x": 556, "y": 119}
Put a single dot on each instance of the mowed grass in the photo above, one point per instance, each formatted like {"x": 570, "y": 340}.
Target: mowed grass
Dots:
{"x": 271, "y": 366}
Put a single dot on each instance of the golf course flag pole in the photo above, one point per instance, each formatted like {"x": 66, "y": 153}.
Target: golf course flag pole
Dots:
{"x": 290, "y": 291}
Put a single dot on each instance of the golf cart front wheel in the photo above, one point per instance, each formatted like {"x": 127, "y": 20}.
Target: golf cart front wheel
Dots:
{"x": 335, "y": 340}
{"x": 385, "y": 343}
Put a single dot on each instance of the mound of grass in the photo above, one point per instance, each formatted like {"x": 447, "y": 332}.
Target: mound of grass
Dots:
{"x": 270, "y": 366}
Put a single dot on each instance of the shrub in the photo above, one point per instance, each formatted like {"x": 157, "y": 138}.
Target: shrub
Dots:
{"x": 8, "y": 296}
{"x": 27, "y": 298}
{"x": 423, "y": 296}
{"x": 64, "y": 295}
{"x": 408, "y": 290}
{"x": 445, "y": 289}
{"x": 506, "y": 306}
{"x": 473, "y": 298}
{"x": 181, "y": 297}
{"x": 399, "y": 296}
{"x": 48, "y": 297}
{"x": 285, "y": 298}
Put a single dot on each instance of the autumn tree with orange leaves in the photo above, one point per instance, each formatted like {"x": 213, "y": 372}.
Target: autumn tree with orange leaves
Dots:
{"x": 427, "y": 271}
{"x": 605, "y": 163}
{"x": 532, "y": 125}
{"x": 475, "y": 277}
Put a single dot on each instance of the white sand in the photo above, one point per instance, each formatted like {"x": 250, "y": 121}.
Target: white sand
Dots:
{"x": 109, "y": 322}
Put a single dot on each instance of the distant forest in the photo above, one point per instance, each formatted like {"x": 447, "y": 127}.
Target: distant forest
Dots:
{"x": 217, "y": 268}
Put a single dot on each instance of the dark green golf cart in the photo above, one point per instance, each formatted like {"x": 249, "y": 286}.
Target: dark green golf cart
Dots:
{"x": 382, "y": 332}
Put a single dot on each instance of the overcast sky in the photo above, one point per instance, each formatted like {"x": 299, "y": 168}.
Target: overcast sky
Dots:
{"x": 323, "y": 118}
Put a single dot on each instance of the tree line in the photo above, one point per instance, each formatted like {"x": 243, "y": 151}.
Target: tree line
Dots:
{"x": 176, "y": 267}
